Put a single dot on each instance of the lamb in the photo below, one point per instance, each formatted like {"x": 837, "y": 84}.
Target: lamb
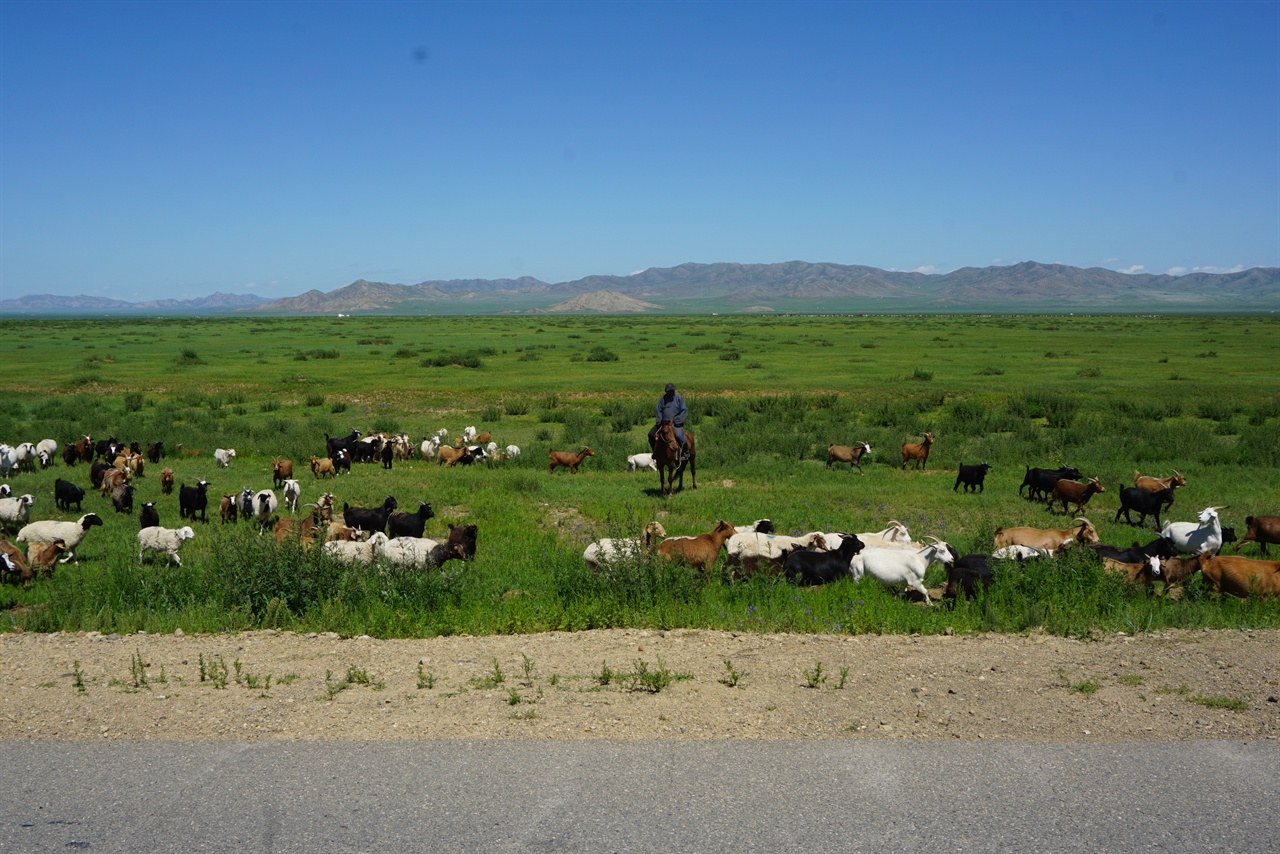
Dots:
{"x": 46, "y": 451}
{"x": 15, "y": 512}
{"x": 167, "y": 540}
{"x": 71, "y": 533}
{"x": 346, "y": 551}
{"x": 610, "y": 549}
{"x": 224, "y": 456}
{"x": 418, "y": 552}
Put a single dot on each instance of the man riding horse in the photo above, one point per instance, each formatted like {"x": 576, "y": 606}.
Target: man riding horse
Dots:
{"x": 671, "y": 407}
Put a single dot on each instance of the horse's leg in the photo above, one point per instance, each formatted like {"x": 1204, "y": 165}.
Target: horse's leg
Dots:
{"x": 693, "y": 470}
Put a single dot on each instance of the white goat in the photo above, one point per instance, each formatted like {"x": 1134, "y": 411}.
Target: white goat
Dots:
{"x": 896, "y": 536}
{"x": 418, "y": 552}
{"x": 167, "y": 540}
{"x": 641, "y": 461}
{"x": 513, "y": 450}
{"x": 15, "y": 512}
{"x": 468, "y": 434}
{"x": 292, "y": 493}
{"x": 899, "y": 566}
{"x": 71, "y": 533}
{"x": 1196, "y": 537}
{"x": 224, "y": 456}
{"x": 1016, "y": 552}
{"x": 430, "y": 447}
{"x": 611, "y": 549}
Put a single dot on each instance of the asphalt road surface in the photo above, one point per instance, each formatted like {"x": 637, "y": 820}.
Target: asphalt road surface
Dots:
{"x": 668, "y": 796}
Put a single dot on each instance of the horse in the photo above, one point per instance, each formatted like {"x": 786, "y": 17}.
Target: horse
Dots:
{"x": 666, "y": 455}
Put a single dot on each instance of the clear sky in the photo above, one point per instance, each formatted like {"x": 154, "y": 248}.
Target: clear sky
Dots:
{"x": 182, "y": 148}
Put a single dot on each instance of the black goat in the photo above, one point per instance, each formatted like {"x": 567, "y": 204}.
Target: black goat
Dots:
{"x": 369, "y": 519}
{"x": 1143, "y": 503}
{"x": 972, "y": 477}
{"x": 966, "y": 573}
{"x": 148, "y": 516}
{"x": 193, "y": 499}
{"x": 66, "y": 493}
{"x": 809, "y": 568}
{"x": 401, "y": 524}
{"x": 1159, "y": 547}
{"x": 1041, "y": 481}
{"x": 464, "y": 535}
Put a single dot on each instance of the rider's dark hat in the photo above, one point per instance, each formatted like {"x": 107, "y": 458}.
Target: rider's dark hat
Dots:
{"x": 671, "y": 386}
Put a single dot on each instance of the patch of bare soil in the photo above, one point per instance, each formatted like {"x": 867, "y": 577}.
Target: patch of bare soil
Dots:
{"x": 1167, "y": 686}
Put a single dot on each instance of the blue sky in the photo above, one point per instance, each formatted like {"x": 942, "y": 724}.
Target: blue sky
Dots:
{"x": 177, "y": 149}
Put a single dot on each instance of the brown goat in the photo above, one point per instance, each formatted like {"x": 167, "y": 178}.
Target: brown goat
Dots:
{"x": 42, "y": 556}
{"x": 450, "y": 456}
{"x": 1047, "y": 538}
{"x": 1174, "y": 571}
{"x": 567, "y": 458}
{"x": 1241, "y": 576}
{"x": 111, "y": 479}
{"x": 482, "y": 438}
{"x": 851, "y": 454}
{"x": 228, "y": 508}
{"x": 1262, "y": 530}
{"x": 917, "y": 452}
{"x": 321, "y": 466}
{"x": 166, "y": 480}
{"x": 14, "y": 568}
{"x": 281, "y": 470}
{"x": 700, "y": 551}
{"x": 1155, "y": 484}
{"x": 1074, "y": 492}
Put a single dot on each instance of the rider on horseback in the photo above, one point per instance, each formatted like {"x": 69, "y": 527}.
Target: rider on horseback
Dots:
{"x": 671, "y": 407}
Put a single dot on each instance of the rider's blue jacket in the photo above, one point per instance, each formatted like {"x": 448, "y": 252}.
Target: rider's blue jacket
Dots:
{"x": 673, "y": 410}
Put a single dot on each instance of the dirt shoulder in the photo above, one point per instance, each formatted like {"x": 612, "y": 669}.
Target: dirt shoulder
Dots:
{"x": 1034, "y": 687}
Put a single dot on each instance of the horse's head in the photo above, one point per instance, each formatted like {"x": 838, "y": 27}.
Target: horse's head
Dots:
{"x": 667, "y": 435}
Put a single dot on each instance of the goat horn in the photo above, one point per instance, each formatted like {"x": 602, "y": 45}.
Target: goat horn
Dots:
{"x": 932, "y": 537}
{"x": 896, "y": 522}
{"x": 1223, "y": 507}
{"x": 1082, "y": 519}
{"x": 1178, "y": 473}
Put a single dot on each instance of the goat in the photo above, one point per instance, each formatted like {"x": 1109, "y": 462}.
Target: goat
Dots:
{"x": 66, "y": 493}
{"x": 429, "y": 447}
{"x": 465, "y": 536}
{"x": 1262, "y": 530}
{"x": 228, "y": 508}
{"x": 1135, "y": 554}
{"x": 568, "y": 459}
{"x": 401, "y": 524}
{"x": 148, "y": 516}
{"x": 851, "y": 454}
{"x": 917, "y": 452}
{"x": 611, "y": 549}
{"x": 1206, "y": 535}
{"x": 1016, "y": 552}
{"x": 806, "y": 568}
{"x": 193, "y": 499}
{"x": 321, "y": 466}
{"x": 973, "y": 477}
{"x": 122, "y": 498}
{"x": 154, "y": 451}
{"x": 244, "y": 500}
{"x": 281, "y": 470}
{"x": 700, "y": 551}
{"x": 70, "y": 533}
{"x": 750, "y": 549}
{"x": 1241, "y": 576}
{"x": 166, "y": 480}
{"x": 1047, "y": 538}
{"x": 1074, "y": 492}
{"x": 1155, "y": 484}
{"x": 1145, "y": 503}
{"x": 641, "y": 461}
{"x": 1041, "y": 480}
{"x": 14, "y": 568}
{"x": 41, "y": 556}
{"x": 450, "y": 456}
{"x": 224, "y": 456}
{"x": 369, "y": 519}
{"x": 896, "y": 536}
{"x": 292, "y": 494}
{"x": 966, "y": 574}
{"x": 332, "y": 445}
{"x": 898, "y": 566}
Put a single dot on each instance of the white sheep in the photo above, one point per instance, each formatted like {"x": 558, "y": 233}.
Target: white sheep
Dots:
{"x": 356, "y": 551}
{"x": 5, "y": 491}
{"x": 71, "y": 533}
{"x": 167, "y": 540}
{"x": 513, "y": 450}
{"x": 901, "y": 566}
{"x": 224, "y": 456}
{"x": 8, "y": 459}
{"x": 264, "y": 504}
{"x": 748, "y": 548}
{"x": 26, "y": 454}
{"x": 47, "y": 451}
{"x": 641, "y": 461}
{"x": 15, "y": 512}
{"x": 417, "y": 552}
{"x": 292, "y": 492}
{"x": 610, "y": 549}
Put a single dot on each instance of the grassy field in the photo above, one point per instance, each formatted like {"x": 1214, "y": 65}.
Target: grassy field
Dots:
{"x": 767, "y": 394}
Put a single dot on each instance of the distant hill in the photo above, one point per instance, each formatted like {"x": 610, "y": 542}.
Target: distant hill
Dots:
{"x": 794, "y": 286}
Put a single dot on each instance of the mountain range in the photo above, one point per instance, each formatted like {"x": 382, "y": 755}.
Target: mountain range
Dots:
{"x": 795, "y": 286}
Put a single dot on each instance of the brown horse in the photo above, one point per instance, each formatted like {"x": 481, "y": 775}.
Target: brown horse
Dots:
{"x": 666, "y": 455}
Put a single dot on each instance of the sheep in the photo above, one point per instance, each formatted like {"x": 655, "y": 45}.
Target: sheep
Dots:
{"x": 167, "y": 540}
{"x": 641, "y": 461}
{"x": 15, "y": 512}
{"x": 700, "y": 551}
{"x": 5, "y": 491}
{"x": 917, "y": 452}
{"x": 346, "y": 551}
{"x": 1193, "y": 537}
{"x": 611, "y": 549}
{"x": 71, "y": 533}
{"x": 264, "y": 504}
{"x": 148, "y": 516}
{"x": 568, "y": 459}
{"x": 8, "y": 460}
{"x": 292, "y": 494}
{"x": 418, "y": 552}
{"x": 224, "y": 456}
{"x": 166, "y": 480}
{"x": 13, "y": 564}
{"x": 401, "y": 524}
{"x": 46, "y": 450}
{"x": 749, "y": 549}
{"x": 26, "y": 456}
{"x": 193, "y": 499}
{"x": 896, "y": 566}
{"x": 66, "y": 493}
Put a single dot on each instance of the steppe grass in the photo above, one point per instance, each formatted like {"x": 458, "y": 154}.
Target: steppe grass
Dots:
{"x": 993, "y": 394}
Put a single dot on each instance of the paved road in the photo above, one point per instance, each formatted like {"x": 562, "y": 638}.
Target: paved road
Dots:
{"x": 646, "y": 796}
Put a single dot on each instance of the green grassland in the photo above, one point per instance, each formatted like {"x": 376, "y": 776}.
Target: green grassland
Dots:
{"x": 766, "y": 393}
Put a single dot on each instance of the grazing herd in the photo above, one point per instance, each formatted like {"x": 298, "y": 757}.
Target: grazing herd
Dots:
{"x": 363, "y": 535}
